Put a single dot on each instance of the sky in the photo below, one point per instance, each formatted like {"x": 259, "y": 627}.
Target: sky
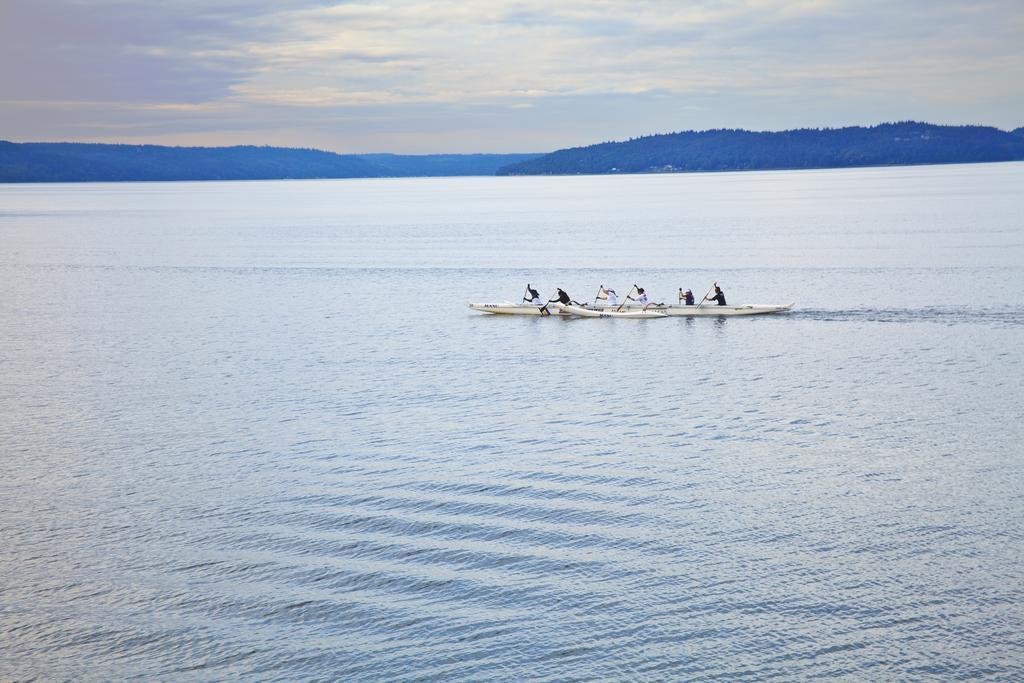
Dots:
{"x": 431, "y": 76}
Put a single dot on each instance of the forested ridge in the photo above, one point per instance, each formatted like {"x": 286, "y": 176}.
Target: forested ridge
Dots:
{"x": 903, "y": 143}
{"x": 889, "y": 144}
{"x": 82, "y": 162}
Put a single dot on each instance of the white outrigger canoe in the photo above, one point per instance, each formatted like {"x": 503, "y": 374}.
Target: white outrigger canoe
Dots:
{"x": 714, "y": 309}
{"x": 633, "y": 311}
{"x": 508, "y": 308}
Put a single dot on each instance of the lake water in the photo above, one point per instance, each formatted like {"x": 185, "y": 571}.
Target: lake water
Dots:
{"x": 252, "y": 429}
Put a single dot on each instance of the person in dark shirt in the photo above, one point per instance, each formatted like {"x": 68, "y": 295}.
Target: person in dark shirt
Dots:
{"x": 564, "y": 299}
{"x": 719, "y": 296}
{"x": 687, "y": 297}
{"x": 532, "y": 296}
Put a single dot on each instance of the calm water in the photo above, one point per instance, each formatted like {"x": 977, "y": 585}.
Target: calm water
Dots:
{"x": 251, "y": 429}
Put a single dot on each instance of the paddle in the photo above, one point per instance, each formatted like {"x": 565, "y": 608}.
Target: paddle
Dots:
{"x": 526, "y": 296}
{"x": 625, "y": 300}
{"x": 598, "y": 295}
{"x": 705, "y": 297}
{"x": 544, "y": 309}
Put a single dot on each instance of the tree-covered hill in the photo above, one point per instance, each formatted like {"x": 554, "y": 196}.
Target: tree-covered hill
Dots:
{"x": 73, "y": 162}
{"x": 81, "y": 162}
{"x": 712, "y": 150}
{"x": 904, "y": 143}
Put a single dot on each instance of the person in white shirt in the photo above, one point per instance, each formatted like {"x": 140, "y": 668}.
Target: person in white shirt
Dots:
{"x": 642, "y": 298}
{"x": 610, "y": 295}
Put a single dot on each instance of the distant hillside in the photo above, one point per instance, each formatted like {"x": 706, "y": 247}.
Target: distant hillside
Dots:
{"x": 78, "y": 162}
{"x": 73, "y": 162}
{"x": 888, "y": 144}
{"x": 713, "y": 150}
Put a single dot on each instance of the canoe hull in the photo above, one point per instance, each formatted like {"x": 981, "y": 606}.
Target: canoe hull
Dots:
{"x": 716, "y": 310}
{"x": 509, "y": 308}
{"x": 611, "y": 313}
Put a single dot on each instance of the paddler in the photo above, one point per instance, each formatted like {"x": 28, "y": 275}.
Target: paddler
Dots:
{"x": 564, "y": 299}
{"x": 642, "y": 298}
{"x": 719, "y": 296}
{"x": 534, "y": 296}
{"x": 687, "y": 297}
{"x": 610, "y": 295}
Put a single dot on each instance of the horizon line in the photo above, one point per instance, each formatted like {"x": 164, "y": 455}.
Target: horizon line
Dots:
{"x": 463, "y": 154}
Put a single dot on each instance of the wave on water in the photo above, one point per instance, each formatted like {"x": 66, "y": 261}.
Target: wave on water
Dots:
{"x": 1002, "y": 316}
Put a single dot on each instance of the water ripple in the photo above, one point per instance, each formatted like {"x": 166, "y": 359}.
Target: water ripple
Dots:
{"x": 258, "y": 435}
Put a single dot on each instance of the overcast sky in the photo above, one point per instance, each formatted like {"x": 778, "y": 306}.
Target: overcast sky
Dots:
{"x": 419, "y": 76}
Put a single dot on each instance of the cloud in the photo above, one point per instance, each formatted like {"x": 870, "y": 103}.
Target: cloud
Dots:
{"x": 483, "y": 53}
{"x": 608, "y": 68}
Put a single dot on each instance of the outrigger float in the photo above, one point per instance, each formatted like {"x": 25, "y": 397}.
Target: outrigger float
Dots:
{"x": 629, "y": 309}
